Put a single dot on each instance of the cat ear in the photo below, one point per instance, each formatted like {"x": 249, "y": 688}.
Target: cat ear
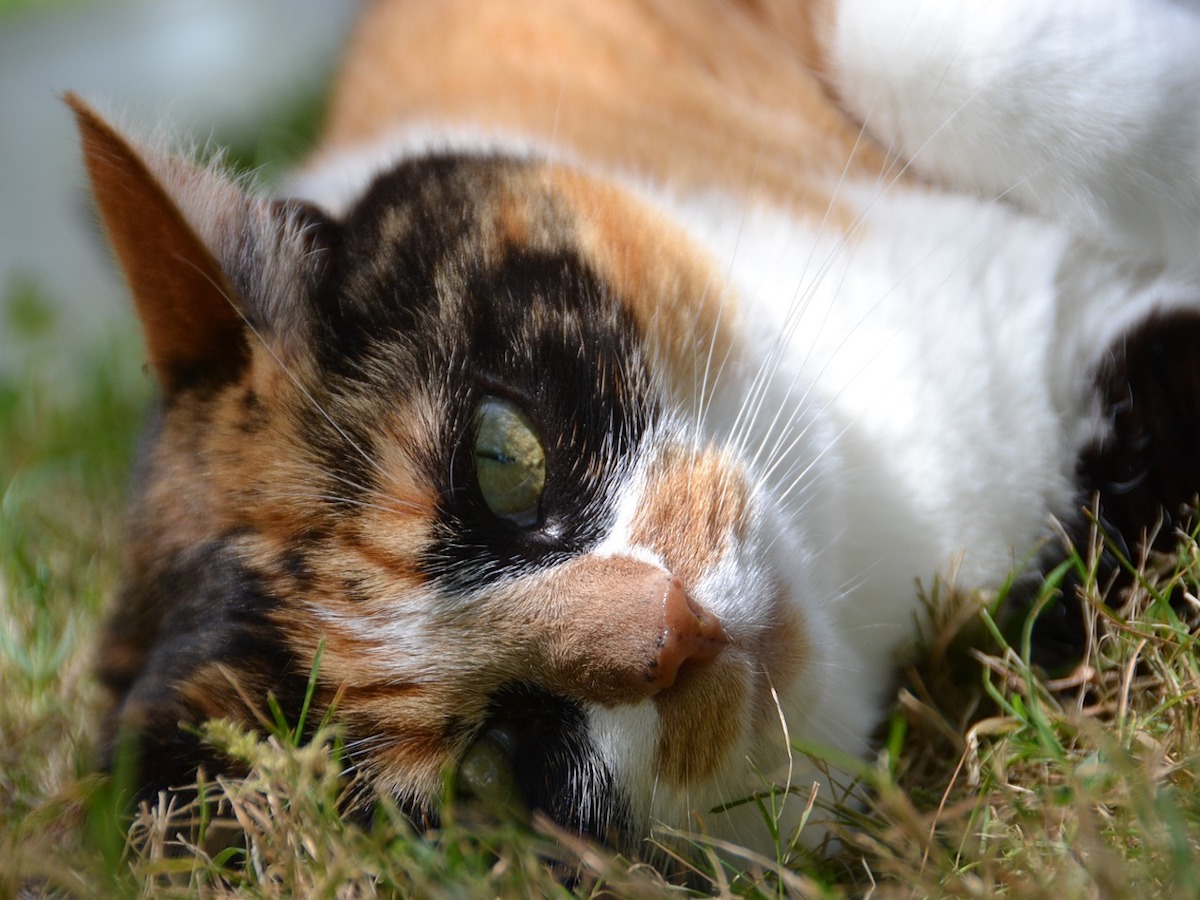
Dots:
{"x": 211, "y": 267}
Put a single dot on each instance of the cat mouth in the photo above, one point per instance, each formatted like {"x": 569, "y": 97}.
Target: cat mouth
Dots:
{"x": 535, "y": 751}
{"x": 538, "y": 749}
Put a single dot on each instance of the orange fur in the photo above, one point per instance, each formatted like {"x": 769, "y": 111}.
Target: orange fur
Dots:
{"x": 198, "y": 331}
{"x": 606, "y": 646}
{"x": 700, "y": 724}
{"x": 714, "y": 493}
{"x": 680, "y": 94}
{"x": 668, "y": 286}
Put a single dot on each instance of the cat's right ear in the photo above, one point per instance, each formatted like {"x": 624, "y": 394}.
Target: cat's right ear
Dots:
{"x": 212, "y": 267}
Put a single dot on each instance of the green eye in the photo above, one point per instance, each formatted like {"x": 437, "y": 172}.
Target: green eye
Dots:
{"x": 486, "y": 773}
{"x": 510, "y": 461}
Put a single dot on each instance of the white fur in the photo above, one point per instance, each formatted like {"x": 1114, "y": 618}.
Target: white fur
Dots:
{"x": 935, "y": 369}
{"x": 1086, "y": 111}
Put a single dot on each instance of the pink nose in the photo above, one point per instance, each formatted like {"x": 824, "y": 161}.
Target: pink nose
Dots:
{"x": 690, "y": 635}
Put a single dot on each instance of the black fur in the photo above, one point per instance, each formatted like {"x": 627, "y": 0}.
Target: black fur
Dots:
{"x": 418, "y": 300}
{"x": 552, "y": 759}
{"x": 214, "y": 610}
{"x": 1145, "y": 473}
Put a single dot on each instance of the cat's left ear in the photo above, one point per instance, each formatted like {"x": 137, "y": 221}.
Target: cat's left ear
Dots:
{"x": 212, "y": 267}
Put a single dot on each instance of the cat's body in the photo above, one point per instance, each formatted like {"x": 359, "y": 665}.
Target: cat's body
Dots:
{"x": 757, "y": 376}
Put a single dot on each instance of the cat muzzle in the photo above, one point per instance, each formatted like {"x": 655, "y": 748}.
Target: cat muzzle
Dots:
{"x": 624, "y": 630}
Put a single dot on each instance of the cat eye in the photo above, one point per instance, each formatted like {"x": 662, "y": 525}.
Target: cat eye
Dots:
{"x": 510, "y": 461}
{"x": 486, "y": 772}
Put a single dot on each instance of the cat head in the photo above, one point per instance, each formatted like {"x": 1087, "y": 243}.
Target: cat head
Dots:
{"x": 460, "y": 443}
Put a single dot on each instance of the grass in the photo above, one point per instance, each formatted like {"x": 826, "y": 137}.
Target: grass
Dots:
{"x": 63, "y": 459}
{"x": 1081, "y": 786}
{"x": 990, "y": 778}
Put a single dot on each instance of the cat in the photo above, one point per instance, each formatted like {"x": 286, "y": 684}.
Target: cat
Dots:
{"x": 595, "y": 395}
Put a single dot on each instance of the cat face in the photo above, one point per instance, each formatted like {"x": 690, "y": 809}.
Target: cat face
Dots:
{"x": 457, "y": 445}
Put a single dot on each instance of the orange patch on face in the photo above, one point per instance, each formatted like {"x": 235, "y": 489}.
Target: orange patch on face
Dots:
{"x": 606, "y": 630}
{"x": 790, "y": 643}
{"x": 341, "y": 650}
{"x": 700, "y": 723}
{"x": 387, "y": 564}
{"x": 602, "y": 643}
{"x": 513, "y": 220}
{"x": 402, "y": 758}
{"x": 396, "y": 727}
{"x": 394, "y": 709}
{"x": 236, "y": 460}
{"x": 411, "y": 427}
{"x": 181, "y": 513}
{"x": 391, "y": 527}
{"x": 705, "y": 714}
{"x": 375, "y": 692}
{"x": 695, "y": 503}
{"x": 666, "y": 282}
{"x": 781, "y": 654}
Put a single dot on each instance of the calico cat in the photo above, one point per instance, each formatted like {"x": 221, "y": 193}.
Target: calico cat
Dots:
{"x": 597, "y": 392}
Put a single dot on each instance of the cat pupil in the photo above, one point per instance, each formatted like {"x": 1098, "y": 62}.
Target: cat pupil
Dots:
{"x": 510, "y": 461}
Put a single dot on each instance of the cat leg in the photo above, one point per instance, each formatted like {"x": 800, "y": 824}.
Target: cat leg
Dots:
{"x": 1083, "y": 111}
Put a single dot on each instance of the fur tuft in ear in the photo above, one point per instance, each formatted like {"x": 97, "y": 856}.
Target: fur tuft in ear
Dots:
{"x": 207, "y": 262}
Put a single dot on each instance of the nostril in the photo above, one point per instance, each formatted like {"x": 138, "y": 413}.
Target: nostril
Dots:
{"x": 691, "y": 635}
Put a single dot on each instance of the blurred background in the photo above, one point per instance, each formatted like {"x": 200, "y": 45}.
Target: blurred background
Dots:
{"x": 73, "y": 388}
{"x": 247, "y": 73}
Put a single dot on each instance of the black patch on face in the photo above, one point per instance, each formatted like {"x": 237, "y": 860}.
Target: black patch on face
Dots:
{"x": 294, "y": 562}
{"x": 1146, "y": 473}
{"x": 424, "y": 300}
{"x": 544, "y": 332}
{"x": 408, "y": 227}
{"x": 554, "y": 763}
{"x": 214, "y": 610}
